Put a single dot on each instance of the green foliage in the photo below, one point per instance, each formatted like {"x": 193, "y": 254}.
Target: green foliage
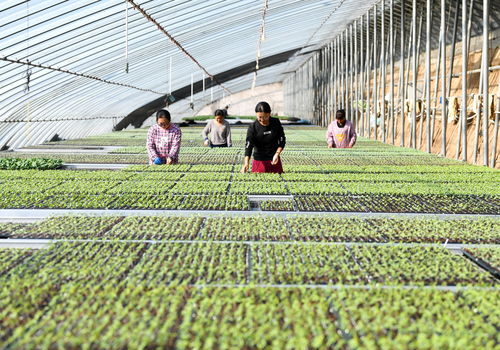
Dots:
{"x": 29, "y": 163}
{"x": 156, "y": 228}
{"x": 244, "y": 229}
{"x": 277, "y": 205}
{"x": 67, "y": 227}
{"x": 251, "y": 282}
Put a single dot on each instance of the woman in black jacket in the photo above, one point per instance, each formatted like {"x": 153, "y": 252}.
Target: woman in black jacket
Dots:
{"x": 267, "y": 136}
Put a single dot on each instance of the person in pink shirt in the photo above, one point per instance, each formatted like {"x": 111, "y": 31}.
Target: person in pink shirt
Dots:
{"x": 340, "y": 133}
{"x": 164, "y": 140}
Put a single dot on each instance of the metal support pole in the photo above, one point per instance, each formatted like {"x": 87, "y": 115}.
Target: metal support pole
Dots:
{"x": 485, "y": 59}
{"x": 419, "y": 37}
{"x": 362, "y": 78}
{"x": 436, "y": 90}
{"x": 495, "y": 133}
{"x": 368, "y": 68}
{"x": 382, "y": 112}
{"x": 351, "y": 73}
{"x": 391, "y": 64}
{"x": 342, "y": 70}
{"x": 414, "y": 80}
{"x": 453, "y": 44}
{"x": 324, "y": 81}
{"x": 469, "y": 24}
{"x": 428, "y": 74}
{"x": 321, "y": 80}
{"x": 346, "y": 71}
{"x": 356, "y": 86}
{"x": 339, "y": 96}
{"x": 408, "y": 64}
{"x": 478, "y": 117}
{"x": 339, "y": 70}
{"x": 443, "y": 82}
{"x": 401, "y": 73}
{"x": 463, "y": 111}
{"x": 330, "y": 82}
{"x": 375, "y": 70}
{"x": 336, "y": 76}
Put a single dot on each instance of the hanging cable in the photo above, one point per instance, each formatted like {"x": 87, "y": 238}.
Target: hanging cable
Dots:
{"x": 28, "y": 78}
{"x": 37, "y": 65}
{"x": 262, "y": 37}
{"x": 27, "y": 75}
{"x": 126, "y": 37}
{"x": 175, "y": 42}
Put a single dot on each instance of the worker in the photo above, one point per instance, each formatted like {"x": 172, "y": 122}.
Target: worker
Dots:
{"x": 164, "y": 140}
{"x": 217, "y": 132}
{"x": 267, "y": 136}
{"x": 340, "y": 133}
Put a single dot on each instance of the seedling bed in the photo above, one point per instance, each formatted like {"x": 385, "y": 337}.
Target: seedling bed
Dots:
{"x": 455, "y": 248}
{"x": 227, "y": 263}
{"x": 308, "y": 228}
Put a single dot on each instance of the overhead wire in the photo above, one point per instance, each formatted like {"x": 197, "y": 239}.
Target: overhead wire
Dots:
{"x": 262, "y": 37}
{"x": 176, "y": 43}
{"x": 62, "y": 70}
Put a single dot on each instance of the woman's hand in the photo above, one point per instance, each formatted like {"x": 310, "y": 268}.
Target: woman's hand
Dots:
{"x": 246, "y": 165}
{"x": 169, "y": 161}
{"x": 276, "y": 159}
{"x": 206, "y": 143}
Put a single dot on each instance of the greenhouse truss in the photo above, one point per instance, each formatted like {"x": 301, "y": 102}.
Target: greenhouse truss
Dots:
{"x": 76, "y": 68}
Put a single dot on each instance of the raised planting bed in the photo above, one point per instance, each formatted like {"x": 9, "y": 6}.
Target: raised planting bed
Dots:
{"x": 397, "y": 265}
{"x": 418, "y": 319}
{"x": 277, "y": 205}
{"x": 156, "y": 228}
{"x": 245, "y": 229}
{"x": 67, "y": 227}
{"x": 438, "y": 231}
{"x": 301, "y": 228}
{"x": 399, "y": 203}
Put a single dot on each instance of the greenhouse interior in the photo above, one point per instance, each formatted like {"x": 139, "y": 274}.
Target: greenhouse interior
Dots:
{"x": 266, "y": 174}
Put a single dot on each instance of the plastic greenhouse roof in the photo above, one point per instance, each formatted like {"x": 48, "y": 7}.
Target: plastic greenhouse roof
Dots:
{"x": 88, "y": 38}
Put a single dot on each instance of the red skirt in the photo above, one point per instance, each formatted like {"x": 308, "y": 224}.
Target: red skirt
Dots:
{"x": 265, "y": 166}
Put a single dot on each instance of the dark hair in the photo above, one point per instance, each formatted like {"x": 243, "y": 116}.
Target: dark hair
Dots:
{"x": 163, "y": 113}
{"x": 262, "y": 107}
{"x": 340, "y": 114}
{"x": 219, "y": 112}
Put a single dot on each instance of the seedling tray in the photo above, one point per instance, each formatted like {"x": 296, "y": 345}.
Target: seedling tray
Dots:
{"x": 90, "y": 166}
{"x": 30, "y": 214}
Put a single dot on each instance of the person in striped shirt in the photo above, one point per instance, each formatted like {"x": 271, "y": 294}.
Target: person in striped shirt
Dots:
{"x": 164, "y": 140}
